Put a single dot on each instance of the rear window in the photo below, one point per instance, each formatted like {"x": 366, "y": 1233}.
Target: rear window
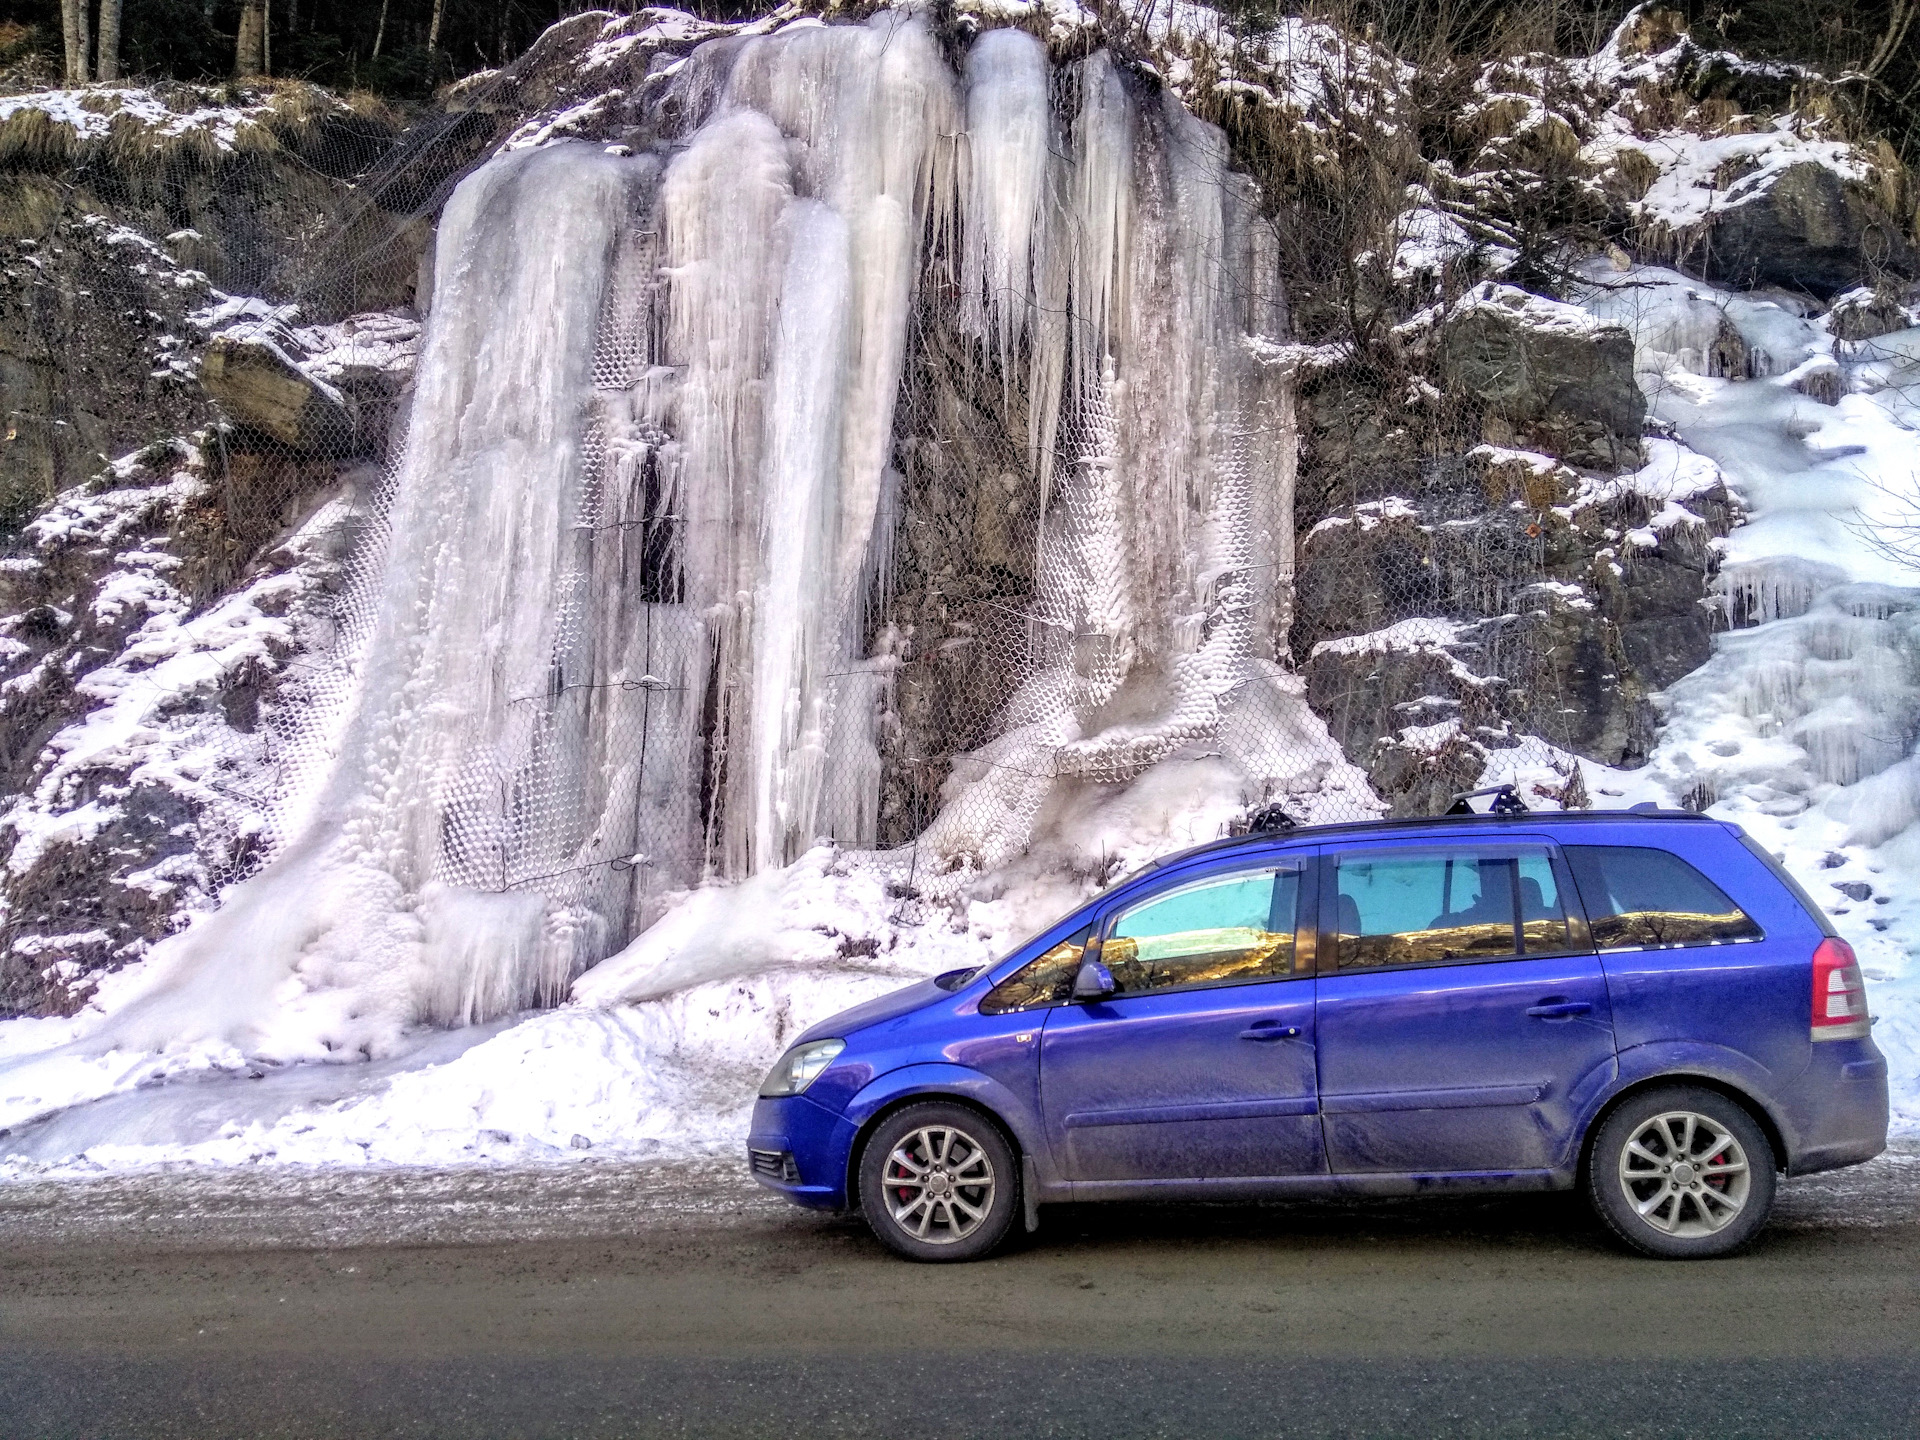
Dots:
{"x": 1793, "y": 887}
{"x": 1437, "y": 908}
{"x": 1639, "y": 898}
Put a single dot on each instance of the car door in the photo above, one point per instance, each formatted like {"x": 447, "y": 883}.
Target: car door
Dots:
{"x": 1201, "y": 1065}
{"x": 1461, "y": 1014}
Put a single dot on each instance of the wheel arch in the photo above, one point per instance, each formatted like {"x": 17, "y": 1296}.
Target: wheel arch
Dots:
{"x": 1739, "y": 1095}
{"x": 857, "y": 1150}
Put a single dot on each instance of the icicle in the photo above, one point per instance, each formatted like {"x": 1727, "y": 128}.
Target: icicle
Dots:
{"x": 1010, "y": 152}
{"x": 1102, "y": 215}
{"x": 794, "y": 620}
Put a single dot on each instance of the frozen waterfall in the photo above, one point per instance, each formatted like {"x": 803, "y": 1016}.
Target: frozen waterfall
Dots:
{"x": 628, "y": 629}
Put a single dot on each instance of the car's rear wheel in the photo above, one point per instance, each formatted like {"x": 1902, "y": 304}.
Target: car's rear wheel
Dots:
{"x": 1682, "y": 1172}
{"x": 939, "y": 1182}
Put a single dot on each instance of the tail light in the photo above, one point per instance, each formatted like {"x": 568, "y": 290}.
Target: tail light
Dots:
{"x": 1839, "y": 993}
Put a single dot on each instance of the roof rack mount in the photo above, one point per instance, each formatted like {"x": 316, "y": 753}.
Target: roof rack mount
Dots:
{"x": 1506, "y": 801}
{"x": 1264, "y": 820}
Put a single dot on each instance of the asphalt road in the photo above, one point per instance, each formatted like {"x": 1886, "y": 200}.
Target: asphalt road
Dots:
{"x": 604, "y": 1299}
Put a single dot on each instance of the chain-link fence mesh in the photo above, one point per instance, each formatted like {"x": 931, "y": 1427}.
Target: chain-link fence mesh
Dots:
{"x": 1051, "y": 632}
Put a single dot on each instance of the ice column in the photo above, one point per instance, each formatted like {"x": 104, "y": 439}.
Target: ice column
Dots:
{"x": 460, "y": 781}
{"x": 796, "y": 222}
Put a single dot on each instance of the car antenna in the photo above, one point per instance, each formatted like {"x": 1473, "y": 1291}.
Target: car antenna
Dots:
{"x": 1506, "y": 801}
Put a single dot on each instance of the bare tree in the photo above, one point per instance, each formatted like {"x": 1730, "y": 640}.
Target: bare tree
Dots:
{"x": 109, "y": 66}
{"x": 250, "y": 46}
{"x": 73, "y": 28}
{"x": 433, "y": 28}
{"x": 380, "y": 31}
{"x": 1900, "y": 17}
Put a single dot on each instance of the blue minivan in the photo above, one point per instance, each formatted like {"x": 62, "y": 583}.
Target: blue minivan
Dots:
{"x": 1642, "y": 1004}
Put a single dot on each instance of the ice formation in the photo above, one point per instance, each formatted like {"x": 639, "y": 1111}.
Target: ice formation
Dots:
{"x": 621, "y": 655}
{"x": 1803, "y": 726}
{"x": 620, "y": 639}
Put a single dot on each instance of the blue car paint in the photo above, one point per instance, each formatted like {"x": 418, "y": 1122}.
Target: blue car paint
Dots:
{"x": 1185, "y": 1084}
{"x": 1447, "y": 1067}
{"x": 1401, "y": 1081}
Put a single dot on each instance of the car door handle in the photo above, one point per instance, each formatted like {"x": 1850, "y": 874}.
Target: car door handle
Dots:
{"x": 1560, "y": 1010}
{"x": 1270, "y": 1030}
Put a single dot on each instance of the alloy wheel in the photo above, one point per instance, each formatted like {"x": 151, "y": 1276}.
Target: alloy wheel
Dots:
{"x": 1684, "y": 1174}
{"x": 939, "y": 1184}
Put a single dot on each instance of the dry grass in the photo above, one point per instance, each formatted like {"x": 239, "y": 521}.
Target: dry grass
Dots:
{"x": 259, "y": 117}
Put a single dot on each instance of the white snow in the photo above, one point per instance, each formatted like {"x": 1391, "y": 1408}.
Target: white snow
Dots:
{"x": 1802, "y": 726}
{"x": 1696, "y": 175}
{"x": 1535, "y": 312}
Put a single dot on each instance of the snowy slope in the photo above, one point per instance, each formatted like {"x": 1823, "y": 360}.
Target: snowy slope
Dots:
{"x": 1802, "y": 726}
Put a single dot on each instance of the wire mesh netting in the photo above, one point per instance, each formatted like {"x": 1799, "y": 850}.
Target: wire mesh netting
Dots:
{"x": 1055, "y": 621}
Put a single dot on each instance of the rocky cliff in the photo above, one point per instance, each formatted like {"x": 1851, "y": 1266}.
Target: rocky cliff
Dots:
{"x": 210, "y": 306}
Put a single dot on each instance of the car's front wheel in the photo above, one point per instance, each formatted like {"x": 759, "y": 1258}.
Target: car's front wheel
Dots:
{"x": 1682, "y": 1172}
{"x": 939, "y": 1182}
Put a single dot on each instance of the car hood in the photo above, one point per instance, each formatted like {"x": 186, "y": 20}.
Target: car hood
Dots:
{"x": 873, "y": 1012}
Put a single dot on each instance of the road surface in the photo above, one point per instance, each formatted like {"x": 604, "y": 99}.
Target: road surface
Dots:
{"x": 604, "y": 1299}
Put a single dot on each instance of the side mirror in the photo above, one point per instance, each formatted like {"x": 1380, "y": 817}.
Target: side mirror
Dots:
{"x": 1094, "y": 982}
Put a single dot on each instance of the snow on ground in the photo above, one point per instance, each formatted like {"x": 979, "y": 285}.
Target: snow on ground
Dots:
{"x": 660, "y": 1052}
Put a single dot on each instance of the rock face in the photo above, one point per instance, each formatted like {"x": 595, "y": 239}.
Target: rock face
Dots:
{"x": 97, "y": 355}
{"x": 1446, "y": 607}
{"x": 123, "y": 213}
{"x": 261, "y": 389}
{"x": 121, "y": 827}
{"x": 1550, "y": 376}
{"x": 963, "y": 571}
{"x": 1810, "y": 230}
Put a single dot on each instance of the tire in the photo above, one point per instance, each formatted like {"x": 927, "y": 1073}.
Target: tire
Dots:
{"x": 1709, "y": 1203}
{"x": 967, "y": 1201}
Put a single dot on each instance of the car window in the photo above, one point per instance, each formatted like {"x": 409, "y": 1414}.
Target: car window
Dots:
{"x": 1434, "y": 907}
{"x": 1224, "y": 930}
{"x": 1639, "y": 897}
{"x": 1047, "y": 980}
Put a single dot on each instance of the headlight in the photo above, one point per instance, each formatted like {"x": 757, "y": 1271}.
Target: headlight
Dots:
{"x": 798, "y": 1068}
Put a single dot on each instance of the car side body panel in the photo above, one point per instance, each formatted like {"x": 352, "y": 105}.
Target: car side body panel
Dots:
{"x": 1735, "y": 1014}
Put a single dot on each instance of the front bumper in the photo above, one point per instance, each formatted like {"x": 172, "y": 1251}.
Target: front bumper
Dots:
{"x": 800, "y": 1149}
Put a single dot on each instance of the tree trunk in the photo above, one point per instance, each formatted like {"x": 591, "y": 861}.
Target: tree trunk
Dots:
{"x": 249, "y": 48}
{"x": 380, "y": 32}
{"x": 1899, "y": 21}
{"x": 266, "y": 36}
{"x": 109, "y": 67}
{"x": 433, "y": 30}
{"x": 73, "y": 29}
